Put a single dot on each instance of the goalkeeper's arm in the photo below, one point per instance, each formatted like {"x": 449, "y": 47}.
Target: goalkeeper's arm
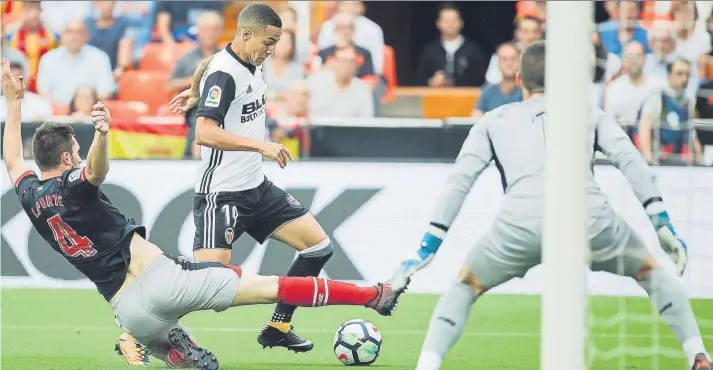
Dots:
{"x": 474, "y": 157}
{"x": 611, "y": 140}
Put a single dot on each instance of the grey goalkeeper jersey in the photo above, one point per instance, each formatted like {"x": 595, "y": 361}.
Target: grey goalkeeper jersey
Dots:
{"x": 513, "y": 137}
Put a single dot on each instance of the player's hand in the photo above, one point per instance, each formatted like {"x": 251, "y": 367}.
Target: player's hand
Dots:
{"x": 674, "y": 246}
{"x": 423, "y": 256}
{"x": 276, "y": 152}
{"x": 101, "y": 117}
{"x": 183, "y": 102}
{"x": 12, "y": 88}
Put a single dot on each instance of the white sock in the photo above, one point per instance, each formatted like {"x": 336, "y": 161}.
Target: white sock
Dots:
{"x": 692, "y": 347}
{"x": 429, "y": 361}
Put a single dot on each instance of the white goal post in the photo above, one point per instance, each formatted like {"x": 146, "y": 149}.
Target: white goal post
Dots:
{"x": 565, "y": 252}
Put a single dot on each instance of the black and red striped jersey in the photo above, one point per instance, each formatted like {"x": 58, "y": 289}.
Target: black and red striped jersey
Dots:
{"x": 79, "y": 222}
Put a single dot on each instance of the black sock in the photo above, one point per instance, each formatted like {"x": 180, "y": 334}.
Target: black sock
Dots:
{"x": 302, "y": 266}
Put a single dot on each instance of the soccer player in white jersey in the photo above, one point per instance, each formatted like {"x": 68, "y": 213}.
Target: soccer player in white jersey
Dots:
{"x": 233, "y": 195}
{"x": 513, "y": 137}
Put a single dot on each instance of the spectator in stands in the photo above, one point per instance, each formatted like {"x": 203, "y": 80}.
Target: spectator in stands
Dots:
{"x": 344, "y": 25}
{"x": 298, "y": 100}
{"x": 663, "y": 45}
{"x": 451, "y": 60}
{"x": 13, "y": 55}
{"x": 614, "y": 9}
{"x": 63, "y": 70}
{"x": 32, "y": 37}
{"x": 282, "y": 68}
{"x": 80, "y": 107}
{"x": 507, "y": 90}
{"x": 210, "y": 27}
{"x": 108, "y": 33}
{"x": 56, "y": 14}
{"x": 665, "y": 125}
{"x": 527, "y": 31}
{"x": 625, "y": 95}
{"x": 303, "y": 45}
{"x": 175, "y": 19}
{"x": 34, "y": 107}
{"x": 691, "y": 43}
{"x": 337, "y": 93}
{"x": 607, "y": 67}
{"x": 140, "y": 15}
{"x": 367, "y": 34}
{"x": 295, "y": 104}
{"x": 628, "y": 29}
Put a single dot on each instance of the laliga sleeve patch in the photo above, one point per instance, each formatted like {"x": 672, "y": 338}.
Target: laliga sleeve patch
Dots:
{"x": 74, "y": 176}
{"x": 213, "y": 98}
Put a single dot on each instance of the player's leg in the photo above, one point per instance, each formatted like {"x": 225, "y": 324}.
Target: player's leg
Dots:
{"x": 619, "y": 250}
{"x": 215, "y": 286}
{"x": 210, "y": 244}
{"x": 148, "y": 311}
{"x": 283, "y": 218}
{"x": 313, "y": 292}
{"x": 496, "y": 258}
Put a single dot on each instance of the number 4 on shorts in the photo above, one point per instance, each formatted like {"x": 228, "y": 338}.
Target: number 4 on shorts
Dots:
{"x": 72, "y": 244}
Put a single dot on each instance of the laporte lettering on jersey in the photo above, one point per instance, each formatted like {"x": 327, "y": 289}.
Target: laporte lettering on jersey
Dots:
{"x": 51, "y": 200}
{"x": 252, "y": 111}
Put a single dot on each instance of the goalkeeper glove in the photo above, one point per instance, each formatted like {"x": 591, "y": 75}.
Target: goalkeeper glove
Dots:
{"x": 670, "y": 242}
{"x": 423, "y": 256}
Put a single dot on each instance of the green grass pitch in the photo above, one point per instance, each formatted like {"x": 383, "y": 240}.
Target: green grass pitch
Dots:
{"x": 73, "y": 329}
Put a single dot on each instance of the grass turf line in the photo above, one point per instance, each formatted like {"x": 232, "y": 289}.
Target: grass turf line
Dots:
{"x": 74, "y": 329}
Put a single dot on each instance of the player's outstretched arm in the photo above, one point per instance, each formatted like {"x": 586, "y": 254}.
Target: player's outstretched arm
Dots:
{"x": 14, "y": 91}
{"x": 98, "y": 156}
{"x": 616, "y": 145}
{"x": 188, "y": 98}
{"x": 474, "y": 157}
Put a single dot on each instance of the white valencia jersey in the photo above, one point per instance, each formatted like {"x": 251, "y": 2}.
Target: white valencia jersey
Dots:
{"x": 233, "y": 94}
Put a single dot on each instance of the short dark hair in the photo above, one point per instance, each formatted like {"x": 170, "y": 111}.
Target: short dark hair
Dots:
{"x": 448, "y": 6}
{"x": 532, "y": 67}
{"x": 678, "y": 59}
{"x": 51, "y": 139}
{"x": 258, "y": 16}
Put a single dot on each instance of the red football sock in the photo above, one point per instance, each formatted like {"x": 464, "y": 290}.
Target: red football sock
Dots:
{"x": 314, "y": 292}
{"x": 175, "y": 359}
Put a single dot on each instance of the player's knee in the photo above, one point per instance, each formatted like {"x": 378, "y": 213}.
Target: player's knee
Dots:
{"x": 256, "y": 289}
{"x": 322, "y": 250}
{"x": 467, "y": 277}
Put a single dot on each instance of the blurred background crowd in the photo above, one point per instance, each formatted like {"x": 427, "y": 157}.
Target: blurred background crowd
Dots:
{"x": 360, "y": 61}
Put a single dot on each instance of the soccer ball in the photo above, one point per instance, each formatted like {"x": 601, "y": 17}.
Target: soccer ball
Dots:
{"x": 357, "y": 343}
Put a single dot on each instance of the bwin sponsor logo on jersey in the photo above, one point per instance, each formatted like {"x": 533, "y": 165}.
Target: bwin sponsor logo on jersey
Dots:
{"x": 253, "y": 110}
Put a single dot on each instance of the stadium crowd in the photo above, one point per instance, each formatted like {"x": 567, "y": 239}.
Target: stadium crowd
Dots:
{"x": 653, "y": 62}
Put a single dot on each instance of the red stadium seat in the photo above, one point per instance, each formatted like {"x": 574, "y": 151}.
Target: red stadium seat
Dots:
{"x": 161, "y": 57}
{"x": 389, "y": 72}
{"x": 127, "y": 110}
{"x": 60, "y": 109}
{"x": 145, "y": 86}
